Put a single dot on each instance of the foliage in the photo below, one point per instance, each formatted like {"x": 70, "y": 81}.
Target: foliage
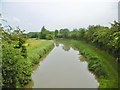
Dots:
{"x": 105, "y": 38}
{"x": 16, "y": 70}
{"x": 33, "y": 34}
{"x": 45, "y": 34}
{"x": 49, "y": 37}
{"x": 105, "y": 71}
{"x": 96, "y": 67}
{"x": 18, "y": 57}
{"x": 56, "y": 33}
{"x": 64, "y": 32}
{"x": 24, "y": 51}
{"x": 37, "y": 49}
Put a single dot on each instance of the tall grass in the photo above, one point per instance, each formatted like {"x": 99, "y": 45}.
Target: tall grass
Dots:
{"x": 36, "y": 49}
{"x": 99, "y": 62}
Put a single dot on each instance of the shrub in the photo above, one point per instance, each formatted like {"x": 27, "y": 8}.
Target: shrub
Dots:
{"x": 16, "y": 71}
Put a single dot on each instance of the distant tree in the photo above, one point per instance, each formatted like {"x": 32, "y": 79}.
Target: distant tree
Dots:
{"x": 75, "y": 30}
{"x": 43, "y": 33}
{"x": 46, "y": 34}
{"x": 49, "y": 37}
{"x": 32, "y": 34}
{"x": 81, "y": 33}
{"x": 64, "y": 32}
{"x": 56, "y": 33}
{"x": 105, "y": 38}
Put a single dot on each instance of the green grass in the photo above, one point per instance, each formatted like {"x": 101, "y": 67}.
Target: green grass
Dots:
{"x": 36, "y": 49}
{"x": 100, "y": 63}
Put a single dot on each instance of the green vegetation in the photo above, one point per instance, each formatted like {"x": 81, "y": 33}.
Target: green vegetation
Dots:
{"x": 43, "y": 34}
{"x": 36, "y": 49}
{"x": 19, "y": 54}
{"x": 33, "y": 34}
{"x": 105, "y": 38}
{"x": 16, "y": 68}
{"x": 100, "y": 63}
{"x": 105, "y": 71}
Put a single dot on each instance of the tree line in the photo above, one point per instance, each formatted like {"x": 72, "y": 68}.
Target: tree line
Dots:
{"x": 43, "y": 34}
{"x": 105, "y": 38}
{"x": 17, "y": 69}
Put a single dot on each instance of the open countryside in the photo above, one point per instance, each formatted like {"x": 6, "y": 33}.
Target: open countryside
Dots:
{"x": 81, "y": 57}
{"x": 61, "y": 59}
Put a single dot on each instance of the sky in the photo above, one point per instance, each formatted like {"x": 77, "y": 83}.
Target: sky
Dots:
{"x": 31, "y": 15}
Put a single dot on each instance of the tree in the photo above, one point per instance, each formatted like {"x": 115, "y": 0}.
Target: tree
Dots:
{"x": 56, "y": 33}
{"x": 64, "y": 32}
{"x": 32, "y": 34}
{"x": 81, "y": 33}
{"x": 43, "y": 33}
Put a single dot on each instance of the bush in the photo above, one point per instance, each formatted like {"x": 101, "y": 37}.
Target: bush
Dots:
{"x": 16, "y": 71}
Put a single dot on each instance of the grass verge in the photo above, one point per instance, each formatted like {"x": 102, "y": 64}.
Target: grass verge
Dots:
{"x": 99, "y": 62}
{"x": 36, "y": 49}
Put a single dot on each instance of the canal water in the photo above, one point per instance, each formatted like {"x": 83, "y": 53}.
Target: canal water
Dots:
{"x": 63, "y": 67}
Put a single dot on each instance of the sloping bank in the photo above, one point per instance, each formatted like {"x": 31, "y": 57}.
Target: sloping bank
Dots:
{"x": 99, "y": 62}
{"x": 37, "y": 49}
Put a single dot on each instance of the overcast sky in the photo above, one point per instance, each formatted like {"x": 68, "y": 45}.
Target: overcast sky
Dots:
{"x": 31, "y": 15}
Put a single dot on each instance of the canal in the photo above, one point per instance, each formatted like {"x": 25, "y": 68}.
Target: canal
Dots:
{"x": 63, "y": 67}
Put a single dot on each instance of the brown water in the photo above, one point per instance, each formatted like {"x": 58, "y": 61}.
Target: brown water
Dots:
{"x": 62, "y": 68}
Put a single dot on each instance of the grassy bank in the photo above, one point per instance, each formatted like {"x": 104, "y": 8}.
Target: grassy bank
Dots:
{"x": 99, "y": 62}
{"x": 36, "y": 49}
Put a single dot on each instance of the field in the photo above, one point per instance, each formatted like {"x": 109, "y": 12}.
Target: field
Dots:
{"x": 36, "y": 49}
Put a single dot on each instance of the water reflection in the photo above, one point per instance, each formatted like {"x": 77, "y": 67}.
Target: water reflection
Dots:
{"x": 57, "y": 44}
{"x": 65, "y": 46}
{"x": 63, "y": 68}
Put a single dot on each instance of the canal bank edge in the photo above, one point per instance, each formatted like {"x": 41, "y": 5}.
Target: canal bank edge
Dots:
{"x": 99, "y": 62}
{"x": 38, "y": 54}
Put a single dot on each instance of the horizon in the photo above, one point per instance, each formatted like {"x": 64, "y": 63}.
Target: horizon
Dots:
{"x": 57, "y": 14}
